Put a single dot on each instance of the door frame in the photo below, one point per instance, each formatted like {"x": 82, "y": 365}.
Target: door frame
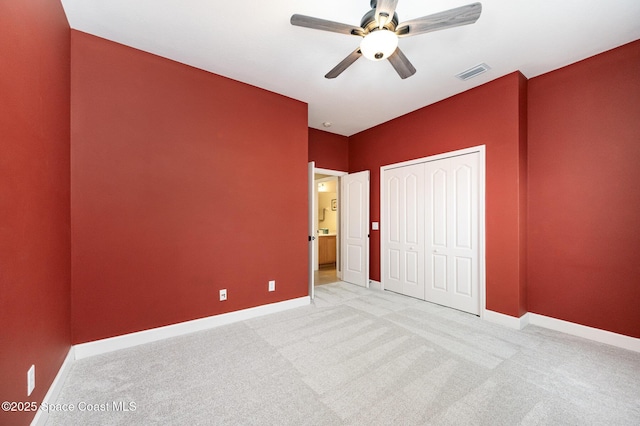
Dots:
{"x": 313, "y": 219}
{"x": 482, "y": 261}
{"x": 331, "y": 178}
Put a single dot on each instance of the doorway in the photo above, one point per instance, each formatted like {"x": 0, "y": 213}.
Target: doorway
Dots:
{"x": 352, "y": 226}
{"x": 327, "y": 229}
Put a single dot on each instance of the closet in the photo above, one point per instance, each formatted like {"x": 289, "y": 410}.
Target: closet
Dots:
{"x": 430, "y": 230}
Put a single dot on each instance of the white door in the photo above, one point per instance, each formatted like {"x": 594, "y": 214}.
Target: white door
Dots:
{"x": 312, "y": 225}
{"x": 403, "y": 262}
{"x": 354, "y": 217}
{"x": 452, "y": 232}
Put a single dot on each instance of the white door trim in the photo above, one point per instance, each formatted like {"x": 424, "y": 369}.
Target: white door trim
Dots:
{"x": 330, "y": 172}
{"x": 316, "y": 264}
{"x": 481, "y": 150}
{"x": 311, "y": 217}
{"x": 313, "y": 220}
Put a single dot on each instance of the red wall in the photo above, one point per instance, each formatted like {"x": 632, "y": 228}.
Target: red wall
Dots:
{"x": 328, "y": 150}
{"x": 584, "y": 198}
{"x": 34, "y": 193}
{"x": 491, "y": 115}
{"x": 182, "y": 183}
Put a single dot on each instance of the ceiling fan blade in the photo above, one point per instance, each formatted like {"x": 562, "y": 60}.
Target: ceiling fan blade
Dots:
{"x": 324, "y": 25}
{"x": 346, "y": 63}
{"x": 463, "y": 15}
{"x": 401, "y": 64}
{"x": 386, "y": 8}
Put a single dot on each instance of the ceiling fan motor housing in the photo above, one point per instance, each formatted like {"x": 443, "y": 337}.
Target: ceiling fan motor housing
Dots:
{"x": 368, "y": 22}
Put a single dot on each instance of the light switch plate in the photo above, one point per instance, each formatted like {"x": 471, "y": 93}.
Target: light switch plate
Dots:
{"x": 375, "y": 226}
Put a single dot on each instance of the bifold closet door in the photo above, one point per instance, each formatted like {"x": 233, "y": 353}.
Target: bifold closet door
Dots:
{"x": 404, "y": 233}
{"x": 451, "y": 213}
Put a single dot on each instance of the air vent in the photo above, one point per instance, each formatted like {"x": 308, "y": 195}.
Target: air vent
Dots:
{"x": 472, "y": 72}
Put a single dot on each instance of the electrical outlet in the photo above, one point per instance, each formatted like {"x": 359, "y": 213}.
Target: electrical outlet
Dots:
{"x": 31, "y": 379}
{"x": 223, "y": 294}
{"x": 272, "y": 285}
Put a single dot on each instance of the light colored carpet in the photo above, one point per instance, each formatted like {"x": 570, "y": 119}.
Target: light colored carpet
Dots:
{"x": 360, "y": 357}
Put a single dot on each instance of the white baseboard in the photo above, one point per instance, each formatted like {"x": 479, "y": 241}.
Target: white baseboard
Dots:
{"x": 97, "y": 347}
{"x": 595, "y": 334}
{"x": 375, "y": 285}
{"x": 54, "y": 390}
{"x": 506, "y": 320}
{"x": 84, "y": 350}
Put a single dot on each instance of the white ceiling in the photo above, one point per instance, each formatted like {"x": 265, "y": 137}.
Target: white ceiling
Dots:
{"x": 252, "y": 41}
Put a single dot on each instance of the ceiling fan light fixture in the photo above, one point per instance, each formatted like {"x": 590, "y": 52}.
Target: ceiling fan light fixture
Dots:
{"x": 380, "y": 29}
{"x": 379, "y": 44}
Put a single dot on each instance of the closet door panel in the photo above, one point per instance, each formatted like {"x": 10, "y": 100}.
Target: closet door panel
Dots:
{"x": 437, "y": 228}
{"x": 464, "y": 251}
{"x": 413, "y": 230}
{"x": 404, "y": 231}
{"x": 391, "y": 264}
{"x": 451, "y": 224}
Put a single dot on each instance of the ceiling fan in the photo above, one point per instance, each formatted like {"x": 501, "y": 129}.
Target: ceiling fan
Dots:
{"x": 380, "y": 31}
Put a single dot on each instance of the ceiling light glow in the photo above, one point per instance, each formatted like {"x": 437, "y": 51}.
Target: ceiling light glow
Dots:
{"x": 379, "y": 44}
